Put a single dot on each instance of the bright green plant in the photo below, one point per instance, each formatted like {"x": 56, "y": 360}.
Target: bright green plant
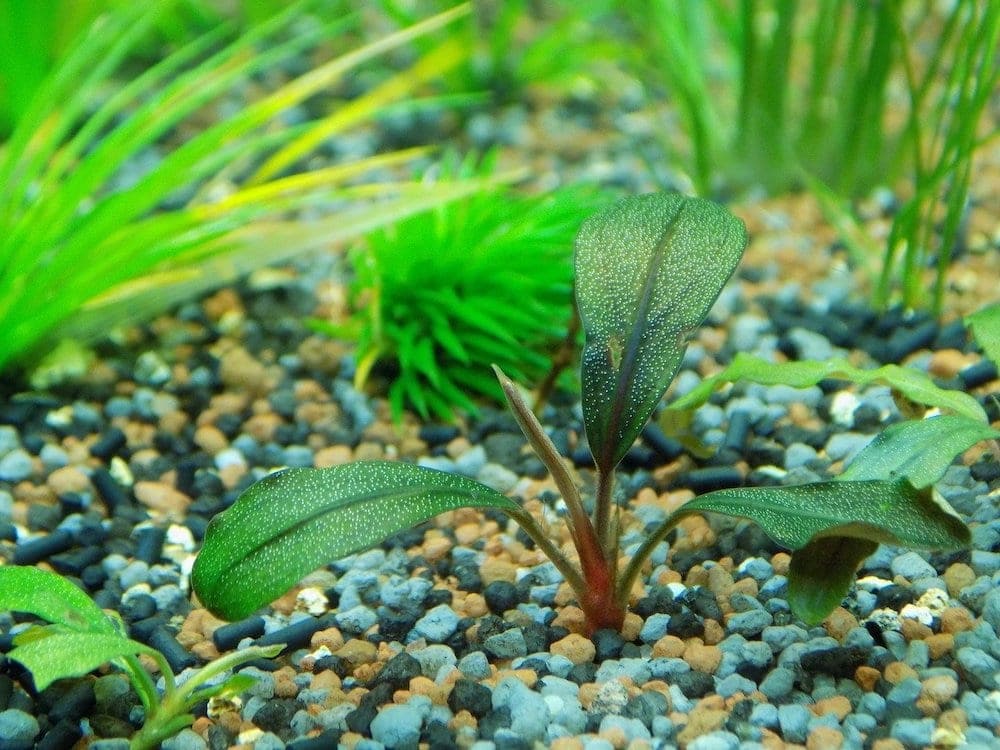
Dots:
{"x": 80, "y": 637}
{"x": 89, "y": 240}
{"x": 442, "y": 294}
{"x": 647, "y": 271}
{"x": 985, "y": 327}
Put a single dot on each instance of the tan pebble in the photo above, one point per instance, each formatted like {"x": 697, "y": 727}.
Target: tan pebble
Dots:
{"x": 631, "y": 627}
{"x": 824, "y": 738}
{"x": 325, "y": 679}
{"x": 201, "y": 725}
{"x": 702, "y": 658}
{"x": 780, "y": 562}
{"x": 357, "y": 652}
{"x": 321, "y": 354}
{"x": 463, "y": 718}
{"x": 897, "y": 671}
{"x": 888, "y": 743}
{"x": 616, "y": 736}
{"x": 210, "y": 439}
{"x": 232, "y": 474}
{"x": 746, "y": 586}
{"x": 173, "y": 422}
{"x": 284, "y": 685}
{"x": 412, "y": 447}
{"x": 240, "y": 370}
{"x": 69, "y": 479}
{"x": 669, "y": 646}
{"x": 696, "y": 576}
{"x": 867, "y": 677}
{"x": 334, "y": 455}
{"x": 720, "y": 581}
{"x": 702, "y": 721}
{"x": 956, "y": 620}
{"x": 588, "y": 691}
{"x": 714, "y": 632}
{"x": 161, "y": 497}
{"x": 34, "y": 494}
{"x": 575, "y": 647}
{"x": 457, "y": 447}
{"x": 957, "y": 577}
{"x": 927, "y": 707}
{"x": 913, "y": 630}
{"x": 468, "y": 533}
{"x": 839, "y": 623}
{"x": 571, "y": 618}
{"x": 940, "y": 688}
{"x": 838, "y": 705}
{"x": 261, "y": 427}
{"x": 230, "y": 721}
{"x": 204, "y": 650}
{"x": 435, "y": 548}
{"x": 939, "y": 644}
{"x": 368, "y": 451}
{"x": 474, "y": 606}
{"x": 947, "y": 363}
{"x": 566, "y": 743}
{"x": 564, "y": 594}
{"x": 954, "y": 719}
{"x": 348, "y": 740}
{"x": 438, "y": 694}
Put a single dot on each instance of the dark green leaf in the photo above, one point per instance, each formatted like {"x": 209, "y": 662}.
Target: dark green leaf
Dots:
{"x": 292, "y": 522}
{"x": 920, "y": 450}
{"x": 880, "y": 511}
{"x": 821, "y": 574}
{"x": 647, "y": 271}
{"x": 73, "y": 654}
{"x": 51, "y": 598}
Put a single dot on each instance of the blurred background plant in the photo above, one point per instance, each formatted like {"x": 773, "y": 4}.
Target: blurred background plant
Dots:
{"x": 122, "y": 198}
{"x": 442, "y": 295}
{"x": 839, "y": 96}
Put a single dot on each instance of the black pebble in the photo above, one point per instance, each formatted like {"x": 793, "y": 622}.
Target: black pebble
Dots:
{"x": 666, "y": 447}
{"x": 74, "y": 703}
{"x": 330, "y": 738}
{"x": 139, "y": 607}
{"x": 607, "y": 643}
{"x": 467, "y": 577}
{"x": 64, "y": 734}
{"x": 110, "y": 491}
{"x": 108, "y": 444}
{"x": 711, "y": 478}
{"x": 535, "y": 637}
{"x": 142, "y": 630}
{"x": 276, "y": 715}
{"x": 470, "y": 696}
{"x": 906, "y": 341}
{"x": 893, "y": 596}
{"x": 582, "y": 673}
{"x": 393, "y": 625}
{"x": 501, "y": 596}
{"x": 978, "y": 374}
{"x": 360, "y": 719}
{"x": 149, "y": 544}
{"x": 438, "y": 434}
{"x": 685, "y": 624}
{"x": 765, "y": 452}
{"x": 841, "y": 661}
{"x": 227, "y": 637}
{"x": 298, "y": 634}
{"x": 74, "y": 563}
{"x": 695, "y": 684}
{"x": 438, "y": 736}
{"x": 36, "y": 550}
{"x": 398, "y": 671}
{"x": 985, "y": 471}
{"x": 498, "y": 718}
{"x": 176, "y": 655}
{"x": 646, "y": 706}
{"x": 702, "y": 601}
{"x": 738, "y": 430}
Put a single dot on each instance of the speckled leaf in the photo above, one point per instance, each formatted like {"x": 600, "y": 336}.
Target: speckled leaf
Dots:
{"x": 821, "y": 573}
{"x": 886, "y": 512}
{"x": 62, "y": 655}
{"x": 920, "y": 450}
{"x": 50, "y": 597}
{"x": 292, "y": 522}
{"x": 647, "y": 271}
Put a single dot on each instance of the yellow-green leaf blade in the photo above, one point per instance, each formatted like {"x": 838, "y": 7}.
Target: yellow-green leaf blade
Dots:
{"x": 62, "y": 655}
{"x": 51, "y": 598}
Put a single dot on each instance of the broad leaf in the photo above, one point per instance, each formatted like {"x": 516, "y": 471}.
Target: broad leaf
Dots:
{"x": 292, "y": 522}
{"x": 62, "y": 655}
{"x": 647, "y": 271}
{"x": 51, "y": 598}
{"x": 821, "y": 574}
{"x": 919, "y": 450}
{"x": 881, "y": 511}
{"x": 985, "y": 325}
{"x": 913, "y": 384}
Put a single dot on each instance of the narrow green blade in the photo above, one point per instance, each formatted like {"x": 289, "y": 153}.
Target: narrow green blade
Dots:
{"x": 292, "y": 522}
{"x": 647, "y": 271}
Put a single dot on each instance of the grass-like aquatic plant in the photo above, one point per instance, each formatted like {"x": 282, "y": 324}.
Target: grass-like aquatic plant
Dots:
{"x": 90, "y": 238}
{"x": 440, "y": 296}
{"x": 80, "y": 637}
{"x": 647, "y": 271}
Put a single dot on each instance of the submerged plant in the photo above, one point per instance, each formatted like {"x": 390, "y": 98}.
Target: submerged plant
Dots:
{"x": 647, "y": 271}
{"x": 102, "y": 221}
{"x": 441, "y": 295}
{"x": 80, "y": 637}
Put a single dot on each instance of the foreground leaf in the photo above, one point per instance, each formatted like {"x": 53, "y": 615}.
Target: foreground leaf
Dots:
{"x": 821, "y": 573}
{"x": 62, "y": 655}
{"x": 913, "y": 384}
{"x": 647, "y": 271}
{"x": 292, "y": 522}
{"x": 52, "y": 598}
{"x": 887, "y": 512}
{"x": 919, "y": 450}
{"x": 985, "y": 325}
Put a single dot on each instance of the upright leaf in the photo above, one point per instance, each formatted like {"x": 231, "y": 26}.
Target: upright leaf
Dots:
{"x": 647, "y": 271}
{"x": 292, "y": 522}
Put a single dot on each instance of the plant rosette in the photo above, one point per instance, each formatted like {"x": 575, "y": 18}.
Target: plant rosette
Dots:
{"x": 648, "y": 269}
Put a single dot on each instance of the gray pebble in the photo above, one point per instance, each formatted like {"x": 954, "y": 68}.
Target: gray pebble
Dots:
{"x": 433, "y": 658}
{"x": 498, "y": 477}
{"x": 263, "y": 683}
{"x": 633, "y": 729}
{"x": 991, "y": 609}
{"x": 912, "y": 566}
{"x": 799, "y": 454}
{"x": 397, "y": 725}
{"x": 635, "y": 669}
{"x": 745, "y": 330}
{"x": 186, "y": 739}
{"x": 749, "y": 623}
{"x": 764, "y": 715}
{"x": 780, "y": 637}
{"x": 506, "y": 645}
{"x": 786, "y": 394}
{"x": 471, "y": 462}
{"x": 913, "y": 732}
{"x": 844, "y": 446}
{"x": 438, "y": 624}
{"x": 116, "y": 743}
{"x": 979, "y": 668}
{"x": 357, "y": 619}
{"x": 271, "y": 741}
{"x": 654, "y": 628}
{"x": 15, "y": 466}
{"x": 529, "y": 712}
{"x": 475, "y": 665}
{"x": 734, "y": 683}
{"x": 134, "y": 573}
{"x": 299, "y": 456}
{"x": 794, "y": 722}
{"x": 717, "y": 740}
{"x": 708, "y": 417}
{"x": 811, "y": 345}
{"x": 685, "y": 382}
{"x": 9, "y": 439}
{"x": 778, "y": 683}
{"x": 17, "y": 725}
{"x": 984, "y": 563}
{"x": 53, "y": 457}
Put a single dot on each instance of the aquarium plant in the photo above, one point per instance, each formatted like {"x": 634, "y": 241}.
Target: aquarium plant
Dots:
{"x": 119, "y": 201}
{"x": 441, "y": 295}
{"x": 647, "y": 271}
{"x": 80, "y": 637}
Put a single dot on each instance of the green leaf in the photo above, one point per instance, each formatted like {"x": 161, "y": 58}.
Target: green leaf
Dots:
{"x": 52, "y": 598}
{"x": 920, "y": 450}
{"x": 647, "y": 271}
{"x": 913, "y": 384}
{"x": 292, "y": 522}
{"x": 73, "y": 654}
{"x": 821, "y": 574}
{"x": 881, "y": 511}
{"x": 985, "y": 325}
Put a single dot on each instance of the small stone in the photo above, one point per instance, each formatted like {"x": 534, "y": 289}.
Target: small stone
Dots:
{"x": 940, "y": 688}
{"x": 16, "y": 466}
{"x": 957, "y": 577}
{"x": 979, "y": 668}
{"x": 69, "y": 479}
{"x": 397, "y": 726}
{"x": 912, "y": 567}
{"x": 506, "y": 645}
{"x": 702, "y": 658}
{"x": 838, "y": 705}
{"x": 824, "y": 738}
{"x": 438, "y": 624}
{"x": 18, "y": 726}
{"x": 794, "y": 722}
{"x": 913, "y": 732}
{"x": 576, "y": 648}
{"x": 162, "y": 497}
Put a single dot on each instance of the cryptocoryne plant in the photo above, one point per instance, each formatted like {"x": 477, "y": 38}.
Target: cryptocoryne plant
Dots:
{"x": 647, "y": 271}
{"x": 80, "y": 637}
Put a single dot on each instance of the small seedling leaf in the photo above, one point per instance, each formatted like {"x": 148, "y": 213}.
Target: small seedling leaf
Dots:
{"x": 919, "y": 450}
{"x": 821, "y": 573}
{"x": 912, "y": 384}
{"x": 292, "y": 522}
{"x": 985, "y": 325}
{"x": 647, "y": 271}
{"x": 51, "y": 598}
{"x": 73, "y": 654}
{"x": 890, "y": 512}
